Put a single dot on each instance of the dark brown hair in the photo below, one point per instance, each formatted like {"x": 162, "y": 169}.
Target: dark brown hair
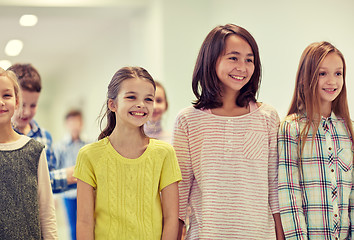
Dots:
{"x": 27, "y": 76}
{"x": 73, "y": 113}
{"x": 121, "y": 75}
{"x": 206, "y": 84}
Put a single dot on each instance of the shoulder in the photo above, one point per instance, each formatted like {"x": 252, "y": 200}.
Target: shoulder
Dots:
{"x": 161, "y": 149}
{"x": 94, "y": 148}
{"x": 190, "y": 114}
{"x": 159, "y": 145}
{"x": 268, "y": 110}
{"x": 267, "y": 113}
{"x": 44, "y": 133}
{"x": 290, "y": 124}
{"x": 33, "y": 143}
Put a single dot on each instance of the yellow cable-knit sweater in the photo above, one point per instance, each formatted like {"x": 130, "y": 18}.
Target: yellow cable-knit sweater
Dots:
{"x": 127, "y": 204}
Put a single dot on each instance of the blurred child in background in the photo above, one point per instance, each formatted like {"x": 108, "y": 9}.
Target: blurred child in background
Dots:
{"x": 153, "y": 128}
{"x": 30, "y": 84}
{"x": 66, "y": 152}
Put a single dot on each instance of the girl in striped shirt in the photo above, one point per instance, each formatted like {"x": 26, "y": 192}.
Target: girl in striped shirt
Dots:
{"x": 226, "y": 144}
{"x": 315, "y": 150}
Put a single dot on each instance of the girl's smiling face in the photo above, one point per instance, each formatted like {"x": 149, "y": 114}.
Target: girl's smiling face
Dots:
{"x": 134, "y": 104}
{"x": 235, "y": 66}
{"x": 330, "y": 80}
{"x": 8, "y": 100}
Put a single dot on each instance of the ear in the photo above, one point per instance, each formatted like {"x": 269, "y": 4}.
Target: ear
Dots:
{"x": 112, "y": 105}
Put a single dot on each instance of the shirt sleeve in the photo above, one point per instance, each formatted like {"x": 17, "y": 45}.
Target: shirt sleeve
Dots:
{"x": 170, "y": 170}
{"x": 58, "y": 153}
{"x": 51, "y": 159}
{"x": 180, "y": 143}
{"x": 351, "y": 205}
{"x": 351, "y": 200}
{"x": 290, "y": 195}
{"x": 84, "y": 169}
{"x": 273, "y": 164}
{"x": 46, "y": 202}
{"x": 58, "y": 180}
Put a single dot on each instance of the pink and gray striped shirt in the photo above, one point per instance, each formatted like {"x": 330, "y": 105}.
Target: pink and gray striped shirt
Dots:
{"x": 229, "y": 168}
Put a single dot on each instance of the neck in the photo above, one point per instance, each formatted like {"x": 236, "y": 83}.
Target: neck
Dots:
{"x": 129, "y": 143}
{"x": 75, "y": 138}
{"x": 8, "y": 134}
{"x": 229, "y": 107}
{"x": 326, "y": 110}
{"x": 25, "y": 130}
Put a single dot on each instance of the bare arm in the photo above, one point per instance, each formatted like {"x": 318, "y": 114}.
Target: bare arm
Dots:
{"x": 181, "y": 230}
{"x": 278, "y": 227}
{"x": 169, "y": 201}
{"x": 85, "y": 211}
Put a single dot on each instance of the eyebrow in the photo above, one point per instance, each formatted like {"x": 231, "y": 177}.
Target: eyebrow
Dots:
{"x": 237, "y": 53}
{"x": 132, "y": 92}
{"x": 338, "y": 68}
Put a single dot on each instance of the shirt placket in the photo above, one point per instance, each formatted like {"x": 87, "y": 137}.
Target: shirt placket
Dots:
{"x": 228, "y": 138}
{"x": 333, "y": 178}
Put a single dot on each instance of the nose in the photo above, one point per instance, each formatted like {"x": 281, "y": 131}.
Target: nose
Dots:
{"x": 2, "y": 102}
{"x": 25, "y": 111}
{"x": 140, "y": 104}
{"x": 240, "y": 66}
{"x": 331, "y": 80}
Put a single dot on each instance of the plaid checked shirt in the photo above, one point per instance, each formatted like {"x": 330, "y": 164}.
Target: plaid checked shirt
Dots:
{"x": 57, "y": 177}
{"x": 316, "y": 201}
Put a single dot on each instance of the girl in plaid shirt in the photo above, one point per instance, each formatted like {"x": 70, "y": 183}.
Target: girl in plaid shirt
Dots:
{"x": 315, "y": 150}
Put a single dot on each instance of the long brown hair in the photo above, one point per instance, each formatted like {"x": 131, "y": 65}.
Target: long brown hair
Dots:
{"x": 121, "y": 75}
{"x": 206, "y": 84}
{"x": 306, "y": 100}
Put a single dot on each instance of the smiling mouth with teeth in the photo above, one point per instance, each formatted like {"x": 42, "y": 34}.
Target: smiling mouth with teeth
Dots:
{"x": 237, "y": 77}
{"x": 138, "y": 113}
{"x": 330, "y": 89}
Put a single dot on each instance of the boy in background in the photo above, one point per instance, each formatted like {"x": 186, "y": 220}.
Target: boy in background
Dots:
{"x": 30, "y": 84}
{"x": 66, "y": 152}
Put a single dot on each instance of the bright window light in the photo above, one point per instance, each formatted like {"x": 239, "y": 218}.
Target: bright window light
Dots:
{"x": 5, "y": 64}
{"x": 13, "y": 47}
{"x": 28, "y": 20}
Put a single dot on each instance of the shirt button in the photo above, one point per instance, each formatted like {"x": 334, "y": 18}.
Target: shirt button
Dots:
{"x": 335, "y": 215}
{"x": 332, "y": 170}
{"x": 329, "y": 148}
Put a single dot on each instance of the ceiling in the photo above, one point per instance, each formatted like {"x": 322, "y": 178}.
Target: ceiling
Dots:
{"x": 66, "y": 29}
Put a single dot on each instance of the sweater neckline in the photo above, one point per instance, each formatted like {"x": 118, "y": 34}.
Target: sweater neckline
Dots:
{"x": 129, "y": 160}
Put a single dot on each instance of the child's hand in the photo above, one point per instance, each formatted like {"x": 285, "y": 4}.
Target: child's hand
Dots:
{"x": 69, "y": 175}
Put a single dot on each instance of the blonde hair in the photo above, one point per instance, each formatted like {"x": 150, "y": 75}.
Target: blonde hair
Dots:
{"x": 305, "y": 98}
{"x": 12, "y": 77}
